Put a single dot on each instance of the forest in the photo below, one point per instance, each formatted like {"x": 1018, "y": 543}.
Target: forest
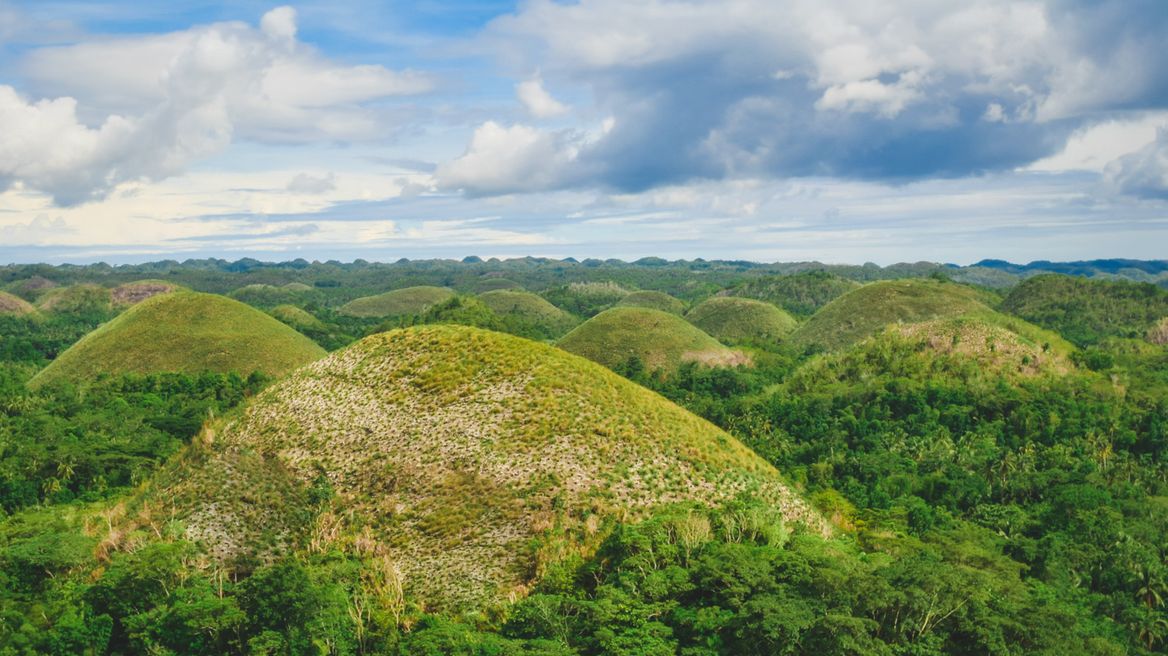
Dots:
{"x": 977, "y": 508}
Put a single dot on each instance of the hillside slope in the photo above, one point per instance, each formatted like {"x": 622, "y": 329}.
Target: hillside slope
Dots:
{"x": 662, "y": 341}
{"x": 185, "y": 332}
{"x": 466, "y": 459}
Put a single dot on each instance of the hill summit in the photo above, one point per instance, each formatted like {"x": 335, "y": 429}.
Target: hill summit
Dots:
{"x": 468, "y": 460}
{"x": 188, "y": 332}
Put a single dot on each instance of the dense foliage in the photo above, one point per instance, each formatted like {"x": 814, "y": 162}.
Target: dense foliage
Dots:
{"x": 978, "y": 513}
{"x": 1086, "y": 312}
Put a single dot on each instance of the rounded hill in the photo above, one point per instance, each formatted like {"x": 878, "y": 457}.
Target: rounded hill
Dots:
{"x": 266, "y": 296}
{"x": 731, "y": 319}
{"x": 184, "y": 332}
{"x": 528, "y": 310}
{"x": 654, "y": 300}
{"x": 75, "y": 299}
{"x": 980, "y": 350}
{"x": 468, "y": 460}
{"x": 11, "y": 304}
{"x": 868, "y": 309}
{"x": 491, "y": 284}
{"x": 801, "y": 294}
{"x": 1088, "y": 311}
{"x": 660, "y": 340}
{"x": 135, "y": 292}
{"x": 396, "y": 303}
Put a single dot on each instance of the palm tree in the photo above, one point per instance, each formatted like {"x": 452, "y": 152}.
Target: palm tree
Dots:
{"x": 1151, "y": 588}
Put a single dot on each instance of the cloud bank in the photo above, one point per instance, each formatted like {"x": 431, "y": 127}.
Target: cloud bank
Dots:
{"x": 890, "y": 91}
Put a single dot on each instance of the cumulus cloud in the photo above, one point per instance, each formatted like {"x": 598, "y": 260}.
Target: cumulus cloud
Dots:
{"x": 537, "y": 100}
{"x": 846, "y": 88}
{"x": 506, "y": 159}
{"x": 156, "y": 103}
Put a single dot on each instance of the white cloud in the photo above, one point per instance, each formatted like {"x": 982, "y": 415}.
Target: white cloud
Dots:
{"x": 279, "y": 23}
{"x": 160, "y": 102}
{"x": 537, "y": 100}
{"x": 1093, "y": 147}
{"x": 502, "y": 159}
{"x": 887, "y": 100}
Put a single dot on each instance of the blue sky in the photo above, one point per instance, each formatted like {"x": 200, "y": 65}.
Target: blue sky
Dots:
{"x": 837, "y": 130}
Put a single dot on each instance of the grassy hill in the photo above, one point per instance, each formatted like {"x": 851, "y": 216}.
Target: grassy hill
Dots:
{"x": 298, "y": 318}
{"x": 731, "y": 320}
{"x": 267, "y": 296}
{"x": 396, "y": 303}
{"x": 492, "y": 284}
{"x": 652, "y": 299}
{"x": 801, "y": 294}
{"x": 661, "y": 341}
{"x": 30, "y": 289}
{"x": 586, "y": 299}
{"x": 867, "y": 310}
{"x": 76, "y": 299}
{"x": 1088, "y": 311}
{"x": 135, "y": 292}
{"x": 185, "y": 332}
{"x": 467, "y": 461}
{"x": 15, "y": 305}
{"x": 528, "y": 310}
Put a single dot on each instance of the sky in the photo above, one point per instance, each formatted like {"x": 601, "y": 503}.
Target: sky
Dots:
{"x": 831, "y": 130}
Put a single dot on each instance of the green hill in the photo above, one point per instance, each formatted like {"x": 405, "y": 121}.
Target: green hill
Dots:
{"x": 396, "y": 303}
{"x": 586, "y": 299}
{"x": 1088, "y": 311}
{"x": 267, "y": 296}
{"x": 30, "y": 289}
{"x": 184, "y": 332}
{"x": 14, "y": 305}
{"x": 75, "y": 299}
{"x": 732, "y": 320}
{"x": 467, "y": 461}
{"x": 491, "y": 284}
{"x": 661, "y": 341}
{"x": 801, "y": 294}
{"x": 868, "y": 309}
{"x": 298, "y": 318}
{"x": 135, "y": 292}
{"x": 654, "y": 300}
{"x": 527, "y": 310}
